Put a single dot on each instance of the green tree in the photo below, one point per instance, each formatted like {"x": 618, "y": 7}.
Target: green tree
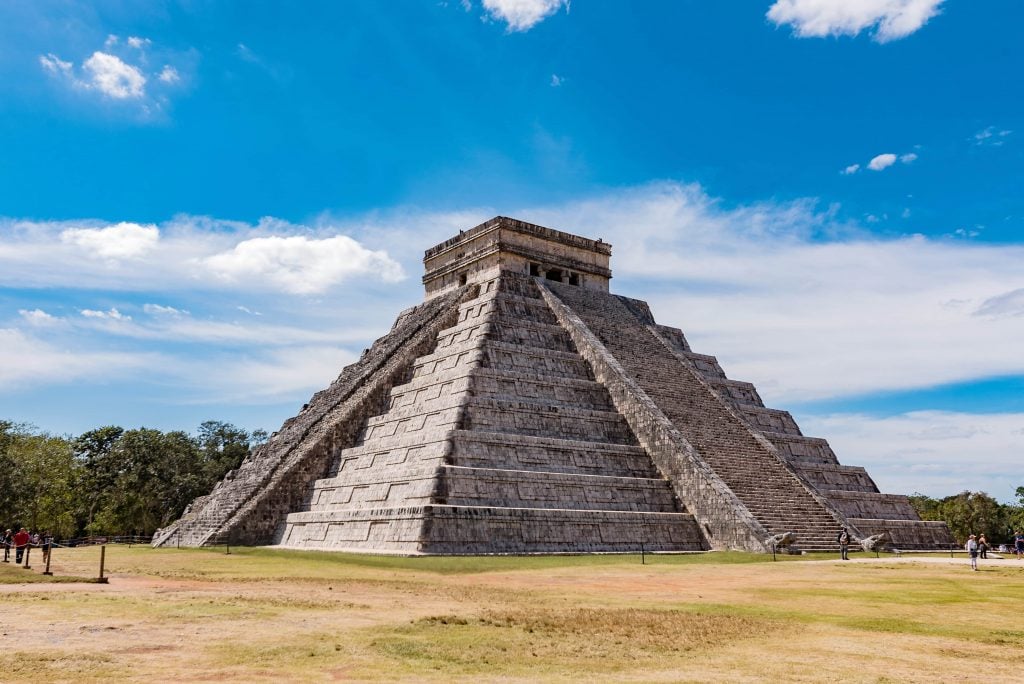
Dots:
{"x": 159, "y": 474}
{"x": 969, "y": 513}
{"x": 44, "y": 478}
{"x": 224, "y": 446}
{"x": 98, "y": 471}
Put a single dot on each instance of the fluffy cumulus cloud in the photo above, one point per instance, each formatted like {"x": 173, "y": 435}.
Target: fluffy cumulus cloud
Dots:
{"x": 119, "y": 241}
{"x": 112, "y": 315}
{"x": 190, "y": 253}
{"x": 299, "y": 264}
{"x": 113, "y": 77}
{"x": 37, "y": 317}
{"x": 882, "y": 161}
{"x": 119, "y": 73}
{"x": 887, "y": 19}
{"x": 522, "y": 15}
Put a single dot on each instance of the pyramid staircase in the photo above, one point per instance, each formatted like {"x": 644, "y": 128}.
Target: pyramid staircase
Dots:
{"x": 501, "y": 442}
{"x": 763, "y": 482}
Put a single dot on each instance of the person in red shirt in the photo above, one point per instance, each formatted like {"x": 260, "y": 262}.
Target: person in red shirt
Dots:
{"x": 20, "y": 544}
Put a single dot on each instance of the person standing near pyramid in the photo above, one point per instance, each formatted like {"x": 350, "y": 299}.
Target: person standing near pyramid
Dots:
{"x": 844, "y": 544}
{"x": 972, "y": 550}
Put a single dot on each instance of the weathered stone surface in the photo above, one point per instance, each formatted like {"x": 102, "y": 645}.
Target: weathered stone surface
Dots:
{"x": 524, "y": 409}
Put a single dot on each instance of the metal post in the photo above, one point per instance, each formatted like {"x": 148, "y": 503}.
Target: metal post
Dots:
{"x": 227, "y": 548}
{"x": 773, "y": 553}
{"x": 643, "y": 555}
{"x": 103, "y": 557}
{"x": 28, "y": 548}
{"x": 49, "y": 553}
{"x": 177, "y": 537}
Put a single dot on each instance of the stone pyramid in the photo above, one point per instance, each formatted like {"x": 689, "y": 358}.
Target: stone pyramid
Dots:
{"x": 522, "y": 408}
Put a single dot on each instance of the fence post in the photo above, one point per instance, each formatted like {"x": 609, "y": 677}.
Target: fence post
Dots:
{"x": 103, "y": 557}
{"x": 49, "y": 553}
{"x": 28, "y": 549}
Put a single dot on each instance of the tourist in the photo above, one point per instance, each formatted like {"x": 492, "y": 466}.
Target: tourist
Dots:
{"x": 982, "y": 547}
{"x": 7, "y": 541}
{"x": 20, "y": 544}
{"x": 1018, "y": 544}
{"x": 844, "y": 544}
{"x": 972, "y": 551}
{"x": 47, "y": 544}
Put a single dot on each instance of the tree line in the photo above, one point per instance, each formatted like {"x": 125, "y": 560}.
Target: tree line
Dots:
{"x": 112, "y": 481}
{"x": 970, "y": 513}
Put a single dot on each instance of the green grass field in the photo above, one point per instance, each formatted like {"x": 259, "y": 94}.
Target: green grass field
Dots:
{"x": 273, "y": 615}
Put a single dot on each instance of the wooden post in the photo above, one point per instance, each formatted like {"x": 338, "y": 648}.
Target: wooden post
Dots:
{"x": 28, "y": 548}
{"x": 103, "y": 557}
{"x": 49, "y": 553}
{"x": 643, "y": 556}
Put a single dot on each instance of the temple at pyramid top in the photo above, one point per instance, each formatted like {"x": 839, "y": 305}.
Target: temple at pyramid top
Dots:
{"x": 524, "y": 408}
{"x": 520, "y": 247}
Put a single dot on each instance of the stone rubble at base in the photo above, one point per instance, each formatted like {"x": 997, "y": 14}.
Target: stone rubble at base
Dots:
{"x": 522, "y": 408}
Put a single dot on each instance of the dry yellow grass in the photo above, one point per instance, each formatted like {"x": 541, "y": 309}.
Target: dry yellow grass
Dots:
{"x": 262, "y": 615}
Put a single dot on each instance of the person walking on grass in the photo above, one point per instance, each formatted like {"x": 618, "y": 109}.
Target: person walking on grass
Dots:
{"x": 844, "y": 544}
{"x": 982, "y": 547}
{"x": 1018, "y": 544}
{"x": 20, "y": 544}
{"x": 8, "y": 540}
{"x": 972, "y": 551}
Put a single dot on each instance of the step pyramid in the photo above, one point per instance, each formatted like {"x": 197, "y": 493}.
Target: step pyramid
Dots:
{"x": 524, "y": 409}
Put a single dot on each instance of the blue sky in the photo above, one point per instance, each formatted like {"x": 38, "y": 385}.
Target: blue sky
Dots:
{"x": 208, "y": 208}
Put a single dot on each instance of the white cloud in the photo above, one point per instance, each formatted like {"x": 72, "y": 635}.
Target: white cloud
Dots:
{"x": 991, "y": 136}
{"x": 274, "y": 375}
{"x": 1006, "y": 304}
{"x": 924, "y": 451}
{"x": 113, "y": 77}
{"x": 556, "y": 80}
{"x": 889, "y": 19}
{"x": 882, "y": 161}
{"x": 112, "y": 314}
{"x": 522, "y": 15}
{"x": 138, "y": 43}
{"x": 55, "y": 65}
{"x": 37, "y": 317}
{"x": 29, "y": 361}
{"x": 119, "y": 241}
{"x": 245, "y": 309}
{"x": 158, "y": 310}
{"x": 169, "y": 75}
{"x": 850, "y": 170}
{"x": 908, "y": 158}
{"x": 298, "y": 264}
{"x": 190, "y": 254}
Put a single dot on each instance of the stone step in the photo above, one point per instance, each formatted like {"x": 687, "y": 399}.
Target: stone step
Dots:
{"x": 524, "y": 452}
{"x": 532, "y": 489}
{"x": 475, "y": 530}
{"x": 545, "y": 419}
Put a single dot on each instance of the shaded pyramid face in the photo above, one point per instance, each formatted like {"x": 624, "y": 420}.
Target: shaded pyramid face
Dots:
{"x": 522, "y": 408}
{"x": 501, "y": 442}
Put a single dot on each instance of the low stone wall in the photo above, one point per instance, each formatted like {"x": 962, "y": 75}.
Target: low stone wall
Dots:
{"x": 908, "y": 534}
